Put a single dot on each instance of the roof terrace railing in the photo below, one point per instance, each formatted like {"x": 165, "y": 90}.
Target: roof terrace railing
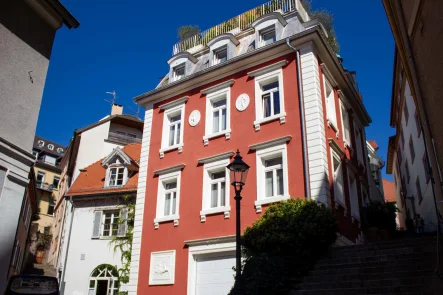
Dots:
{"x": 241, "y": 22}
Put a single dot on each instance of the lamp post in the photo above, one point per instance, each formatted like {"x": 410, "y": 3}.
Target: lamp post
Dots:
{"x": 239, "y": 171}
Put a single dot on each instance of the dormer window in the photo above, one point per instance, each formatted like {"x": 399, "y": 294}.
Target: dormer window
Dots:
{"x": 220, "y": 55}
{"x": 116, "y": 176}
{"x": 179, "y": 72}
{"x": 267, "y": 36}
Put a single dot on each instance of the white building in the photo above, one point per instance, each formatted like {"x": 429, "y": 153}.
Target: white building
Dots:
{"x": 98, "y": 198}
{"x": 375, "y": 167}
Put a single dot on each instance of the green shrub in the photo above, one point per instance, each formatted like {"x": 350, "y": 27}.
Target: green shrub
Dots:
{"x": 380, "y": 215}
{"x": 283, "y": 244}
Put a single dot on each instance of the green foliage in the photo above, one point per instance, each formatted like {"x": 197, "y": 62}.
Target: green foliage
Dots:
{"x": 43, "y": 240}
{"x": 185, "y": 32}
{"x": 380, "y": 215}
{"x": 283, "y": 244}
{"x": 124, "y": 244}
{"x": 327, "y": 20}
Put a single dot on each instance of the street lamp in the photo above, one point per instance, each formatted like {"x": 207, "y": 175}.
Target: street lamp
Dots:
{"x": 239, "y": 171}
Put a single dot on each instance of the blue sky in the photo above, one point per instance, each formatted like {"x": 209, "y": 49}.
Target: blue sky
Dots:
{"x": 124, "y": 45}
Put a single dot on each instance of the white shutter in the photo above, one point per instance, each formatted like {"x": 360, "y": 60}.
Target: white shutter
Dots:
{"x": 123, "y": 223}
{"x": 355, "y": 211}
{"x": 338, "y": 186}
{"x": 97, "y": 224}
{"x": 345, "y": 118}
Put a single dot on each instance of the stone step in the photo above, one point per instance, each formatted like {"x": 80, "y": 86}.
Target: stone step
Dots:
{"x": 357, "y": 276}
{"x": 405, "y": 249}
{"x": 377, "y": 258}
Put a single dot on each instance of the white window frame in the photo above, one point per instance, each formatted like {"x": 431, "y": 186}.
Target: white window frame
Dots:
{"x": 215, "y": 53}
{"x": 331, "y": 113}
{"x": 175, "y": 69}
{"x": 102, "y": 223}
{"x": 345, "y": 124}
{"x": 208, "y": 169}
{"x": 58, "y": 183}
{"x": 159, "y": 217}
{"x": 353, "y": 196}
{"x": 265, "y": 154}
{"x": 117, "y": 166}
{"x": 358, "y": 142}
{"x": 264, "y": 79}
{"x": 168, "y": 113}
{"x": 43, "y": 178}
{"x": 266, "y": 31}
{"x": 210, "y": 99}
{"x": 339, "y": 200}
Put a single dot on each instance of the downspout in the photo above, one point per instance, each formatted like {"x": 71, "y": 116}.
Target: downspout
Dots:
{"x": 302, "y": 121}
{"x": 62, "y": 281}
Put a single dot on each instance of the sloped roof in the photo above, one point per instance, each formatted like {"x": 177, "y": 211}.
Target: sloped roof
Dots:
{"x": 91, "y": 180}
{"x": 389, "y": 190}
{"x": 374, "y": 144}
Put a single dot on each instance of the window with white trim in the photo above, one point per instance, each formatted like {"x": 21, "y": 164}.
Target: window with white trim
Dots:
{"x": 358, "y": 144}
{"x": 172, "y": 137}
{"x": 267, "y": 36}
{"x": 215, "y": 189}
{"x": 345, "y": 124}
{"x": 330, "y": 103}
{"x": 109, "y": 223}
{"x": 220, "y": 55}
{"x": 217, "y": 114}
{"x": 168, "y": 197}
{"x": 337, "y": 166}
{"x": 272, "y": 175}
{"x": 353, "y": 195}
{"x": 269, "y": 100}
{"x": 40, "y": 177}
{"x": 178, "y": 72}
{"x": 116, "y": 176}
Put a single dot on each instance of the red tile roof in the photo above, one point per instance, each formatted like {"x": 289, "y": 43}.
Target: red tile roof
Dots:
{"x": 92, "y": 178}
{"x": 389, "y": 190}
{"x": 374, "y": 144}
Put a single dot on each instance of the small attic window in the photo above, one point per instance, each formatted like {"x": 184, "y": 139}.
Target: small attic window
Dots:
{"x": 116, "y": 176}
{"x": 267, "y": 36}
{"x": 220, "y": 55}
{"x": 179, "y": 72}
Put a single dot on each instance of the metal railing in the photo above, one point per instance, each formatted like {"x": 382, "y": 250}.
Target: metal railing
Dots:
{"x": 122, "y": 138}
{"x": 241, "y": 22}
{"x": 45, "y": 186}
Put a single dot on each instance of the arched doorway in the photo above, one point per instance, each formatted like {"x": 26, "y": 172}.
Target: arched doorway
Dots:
{"x": 104, "y": 280}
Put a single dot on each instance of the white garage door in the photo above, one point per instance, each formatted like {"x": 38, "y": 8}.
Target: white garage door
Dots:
{"x": 215, "y": 275}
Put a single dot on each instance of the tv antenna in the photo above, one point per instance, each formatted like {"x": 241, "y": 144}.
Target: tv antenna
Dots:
{"x": 136, "y": 112}
{"x": 114, "y": 97}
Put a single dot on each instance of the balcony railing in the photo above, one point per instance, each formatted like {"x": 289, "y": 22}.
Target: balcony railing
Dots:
{"x": 125, "y": 139}
{"x": 241, "y": 22}
{"x": 45, "y": 186}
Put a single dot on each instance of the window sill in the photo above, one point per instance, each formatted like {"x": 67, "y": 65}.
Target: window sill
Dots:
{"x": 281, "y": 117}
{"x": 258, "y": 204}
{"x": 113, "y": 186}
{"x": 334, "y": 127}
{"x": 159, "y": 220}
{"x": 226, "y": 210}
{"x": 226, "y": 133}
{"x": 178, "y": 147}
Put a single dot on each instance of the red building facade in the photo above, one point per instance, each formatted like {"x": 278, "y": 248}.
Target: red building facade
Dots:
{"x": 251, "y": 100}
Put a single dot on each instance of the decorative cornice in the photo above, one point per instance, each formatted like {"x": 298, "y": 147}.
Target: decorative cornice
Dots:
{"x": 169, "y": 169}
{"x": 269, "y": 68}
{"x": 328, "y": 75}
{"x": 218, "y": 87}
{"x": 215, "y": 157}
{"x": 269, "y": 16}
{"x": 210, "y": 241}
{"x": 183, "y": 54}
{"x": 116, "y": 152}
{"x": 229, "y": 36}
{"x": 271, "y": 142}
{"x": 174, "y": 103}
{"x": 336, "y": 147}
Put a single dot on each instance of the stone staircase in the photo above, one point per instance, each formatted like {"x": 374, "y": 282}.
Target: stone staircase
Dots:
{"x": 401, "y": 266}
{"x": 41, "y": 269}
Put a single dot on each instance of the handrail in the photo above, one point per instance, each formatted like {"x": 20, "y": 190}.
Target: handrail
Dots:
{"x": 239, "y": 23}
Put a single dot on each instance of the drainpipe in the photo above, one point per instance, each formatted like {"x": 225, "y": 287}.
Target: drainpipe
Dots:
{"x": 62, "y": 281}
{"x": 302, "y": 120}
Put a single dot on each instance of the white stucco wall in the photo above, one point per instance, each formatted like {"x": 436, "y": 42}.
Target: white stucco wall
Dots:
{"x": 96, "y": 251}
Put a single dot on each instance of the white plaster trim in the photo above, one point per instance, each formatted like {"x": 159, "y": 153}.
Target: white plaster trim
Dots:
{"x": 328, "y": 75}
{"x": 215, "y": 157}
{"x": 272, "y": 142}
{"x": 222, "y": 37}
{"x": 226, "y": 210}
{"x": 178, "y": 147}
{"x": 217, "y": 87}
{"x": 264, "y": 70}
{"x": 336, "y": 147}
{"x": 159, "y": 217}
{"x": 202, "y": 249}
{"x": 209, "y": 241}
{"x": 140, "y": 202}
{"x": 219, "y": 92}
{"x": 116, "y": 152}
{"x": 169, "y": 169}
{"x": 226, "y": 133}
{"x": 174, "y": 103}
{"x": 269, "y": 16}
{"x": 258, "y": 203}
{"x": 281, "y": 117}
{"x": 183, "y": 54}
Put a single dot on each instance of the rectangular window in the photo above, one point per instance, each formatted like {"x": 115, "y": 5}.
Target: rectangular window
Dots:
{"x": 40, "y": 177}
{"x": 215, "y": 189}
{"x": 270, "y": 99}
{"x": 50, "y": 160}
{"x": 55, "y": 182}
{"x": 426, "y": 167}
{"x": 272, "y": 175}
{"x": 358, "y": 143}
{"x": 170, "y": 206}
{"x": 46, "y": 230}
{"x": 353, "y": 196}
{"x": 218, "y": 189}
{"x": 345, "y": 124}
{"x": 405, "y": 110}
{"x": 399, "y": 156}
{"x": 168, "y": 198}
{"x": 116, "y": 176}
{"x": 220, "y": 55}
{"x": 411, "y": 149}
{"x": 35, "y": 153}
{"x": 418, "y": 189}
{"x": 267, "y": 36}
{"x": 178, "y": 72}
{"x": 172, "y": 134}
{"x": 51, "y": 206}
{"x": 330, "y": 103}
{"x": 407, "y": 170}
{"x": 338, "y": 179}
{"x": 417, "y": 123}
{"x": 217, "y": 121}
{"x": 110, "y": 220}
{"x": 402, "y": 138}
{"x": 219, "y": 116}
{"x": 174, "y": 130}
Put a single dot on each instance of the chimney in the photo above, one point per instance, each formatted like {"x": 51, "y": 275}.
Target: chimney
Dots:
{"x": 117, "y": 109}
